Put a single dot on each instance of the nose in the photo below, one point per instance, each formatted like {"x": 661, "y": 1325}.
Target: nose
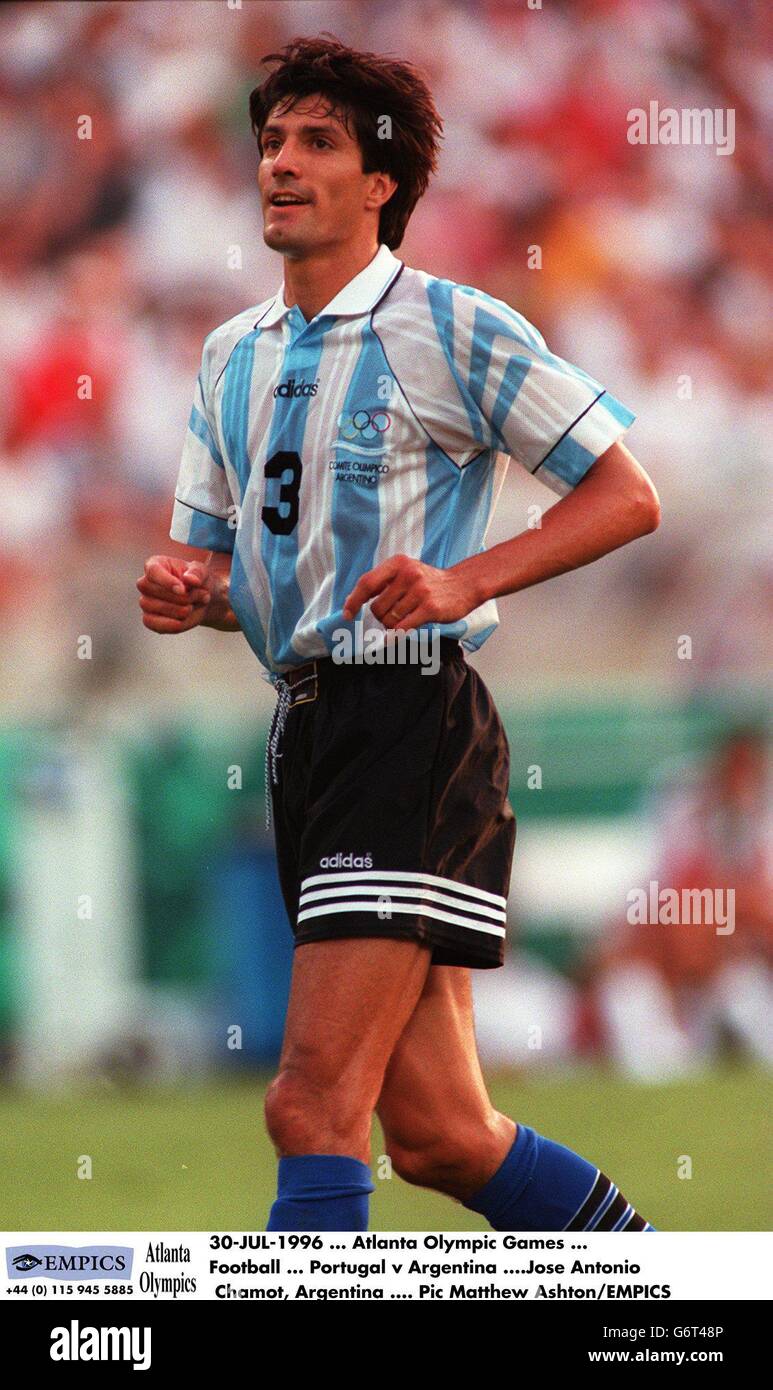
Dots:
{"x": 287, "y": 159}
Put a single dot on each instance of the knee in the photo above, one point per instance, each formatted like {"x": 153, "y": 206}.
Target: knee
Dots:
{"x": 457, "y": 1161}
{"x": 445, "y": 1163}
{"x": 304, "y": 1115}
{"x": 292, "y": 1111}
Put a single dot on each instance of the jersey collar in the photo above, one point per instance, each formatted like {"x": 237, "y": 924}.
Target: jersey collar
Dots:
{"x": 359, "y": 296}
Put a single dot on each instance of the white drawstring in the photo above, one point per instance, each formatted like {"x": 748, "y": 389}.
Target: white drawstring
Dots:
{"x": 275, "y": 733}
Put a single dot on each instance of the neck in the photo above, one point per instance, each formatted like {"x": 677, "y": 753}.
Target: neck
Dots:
{"x": 313, "y": 281}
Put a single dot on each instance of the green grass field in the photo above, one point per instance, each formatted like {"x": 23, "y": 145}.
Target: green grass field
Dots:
{"x": 199, "y": 1158}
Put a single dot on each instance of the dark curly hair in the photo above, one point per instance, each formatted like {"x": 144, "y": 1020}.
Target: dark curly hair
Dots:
{"x": 362, "y": 88}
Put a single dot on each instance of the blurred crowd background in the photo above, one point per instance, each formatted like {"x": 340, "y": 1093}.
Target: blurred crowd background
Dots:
{"x": 119, "y": 253}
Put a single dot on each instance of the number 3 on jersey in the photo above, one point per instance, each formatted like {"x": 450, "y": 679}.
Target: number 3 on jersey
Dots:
{"x": 279, "y": 521}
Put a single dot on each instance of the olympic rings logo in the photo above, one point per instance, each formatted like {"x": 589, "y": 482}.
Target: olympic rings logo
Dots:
{"x": 365, "y": 423}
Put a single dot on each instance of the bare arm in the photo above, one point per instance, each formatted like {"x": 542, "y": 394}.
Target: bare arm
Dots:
{"x": 177, "y": 594}
{"x": 613, "y": 504}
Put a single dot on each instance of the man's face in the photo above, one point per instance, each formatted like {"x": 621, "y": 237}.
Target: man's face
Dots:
{"x": 308, "y": 153}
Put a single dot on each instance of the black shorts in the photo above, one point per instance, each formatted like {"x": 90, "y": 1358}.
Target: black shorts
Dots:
{"x": 391, "y": 812}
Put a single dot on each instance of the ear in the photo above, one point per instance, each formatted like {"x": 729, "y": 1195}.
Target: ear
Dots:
{"x": 381, "y": 190}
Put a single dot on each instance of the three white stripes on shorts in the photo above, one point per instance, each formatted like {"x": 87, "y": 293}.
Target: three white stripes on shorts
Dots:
{"x": 427, "y": 895}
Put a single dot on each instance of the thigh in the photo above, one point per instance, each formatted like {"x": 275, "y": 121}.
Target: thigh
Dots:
{"x": 350, "y": 1000}
{"x": 434, "y": 1077}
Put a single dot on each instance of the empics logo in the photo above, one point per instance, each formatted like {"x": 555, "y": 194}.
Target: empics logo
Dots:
{"x": 76, "y": 1343}
{"x": 347, "y": 861}
{"x": 66, "y": 1261}
{"x": 24, "y": 1263}
{"x": 296, "y": 388}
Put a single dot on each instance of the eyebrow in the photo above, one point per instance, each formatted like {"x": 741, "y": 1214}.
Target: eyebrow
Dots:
{"x": 277, "y": 127}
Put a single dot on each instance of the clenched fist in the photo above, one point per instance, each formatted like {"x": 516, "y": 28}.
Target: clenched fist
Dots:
{"x": 175, "y": 594}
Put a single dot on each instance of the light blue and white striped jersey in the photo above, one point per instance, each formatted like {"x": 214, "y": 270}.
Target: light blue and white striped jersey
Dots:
{"x": 382, "y": 427}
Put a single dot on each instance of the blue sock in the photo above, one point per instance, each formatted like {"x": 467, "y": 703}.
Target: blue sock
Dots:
{"x": 321, "y": 1192}
{"x": 543, "y": 1186}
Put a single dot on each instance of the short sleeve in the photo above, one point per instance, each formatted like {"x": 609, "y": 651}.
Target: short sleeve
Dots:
{"x": 204, "y": 513}
{"x": 549, "y": 416}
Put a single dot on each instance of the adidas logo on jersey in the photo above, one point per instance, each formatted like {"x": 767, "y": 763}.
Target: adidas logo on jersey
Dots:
{"x": 347, "y": 861}
{"x": 296, "y": 388}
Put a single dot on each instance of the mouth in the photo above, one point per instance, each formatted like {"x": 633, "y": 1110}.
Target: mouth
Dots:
{"x": 287, "y": 200}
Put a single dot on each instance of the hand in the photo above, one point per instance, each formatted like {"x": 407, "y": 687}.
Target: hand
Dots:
{"x": 411, "y": 593}
{"x": 174, "y": 594}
